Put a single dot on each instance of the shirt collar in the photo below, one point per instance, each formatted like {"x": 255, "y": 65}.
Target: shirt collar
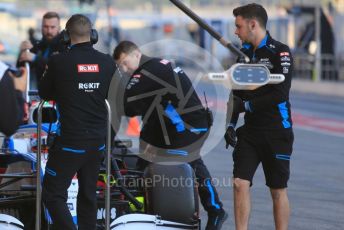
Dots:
{"x": 144, "y": 59}
{"x": 83, "y": 44}
{"x": 263, "y": 43}
{"x": 246, "y": 45}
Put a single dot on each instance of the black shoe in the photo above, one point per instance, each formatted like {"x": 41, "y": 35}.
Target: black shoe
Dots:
{"x": 216, "y": 219}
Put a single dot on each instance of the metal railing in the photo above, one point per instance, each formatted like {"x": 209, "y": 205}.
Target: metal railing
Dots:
{"x": 108, "y": 167}
{"x": 38, "y": 166}
{"x": 340, "y": 66}
{"x": 331, "y": 67}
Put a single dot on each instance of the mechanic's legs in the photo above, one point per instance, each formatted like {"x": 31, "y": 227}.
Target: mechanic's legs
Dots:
{"x": 280, "y": 208}
{"x": 207, "y": 191}
{"x": 87, "y": 200}
{"x": 60, "y": 169}
{"x": 208, "y": 195}
{"x": 242, "y": 203}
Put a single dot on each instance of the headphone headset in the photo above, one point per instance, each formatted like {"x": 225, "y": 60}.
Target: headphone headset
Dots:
{"x": 66, "y": 38}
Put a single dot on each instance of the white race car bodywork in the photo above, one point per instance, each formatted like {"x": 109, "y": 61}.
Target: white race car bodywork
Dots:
{"x": 8, "y": 222}
{"x": 147, "y": 222}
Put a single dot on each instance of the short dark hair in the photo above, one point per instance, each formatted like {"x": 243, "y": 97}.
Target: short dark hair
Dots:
{"x": 124, "y": 47}
{"x": 51, "y": 14}
{"x": 79, "y": 25}
{"x": 252, "y": 11}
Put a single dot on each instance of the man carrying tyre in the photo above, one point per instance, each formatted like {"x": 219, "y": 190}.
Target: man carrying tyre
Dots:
{"x": 174, "y": 128}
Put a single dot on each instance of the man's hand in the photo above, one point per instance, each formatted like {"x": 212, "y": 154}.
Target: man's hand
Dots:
{"x": 230, "y": 137}
{"x": 26, "y": 56}
{"x": 238, "y": 105}
{"x": 20, "y": 82}
{"x": 25, "y": 45}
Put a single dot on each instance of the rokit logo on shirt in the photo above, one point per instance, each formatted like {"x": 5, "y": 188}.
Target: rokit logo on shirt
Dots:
{"x": 88, "y": 68}
{"x": 89, "y": 87}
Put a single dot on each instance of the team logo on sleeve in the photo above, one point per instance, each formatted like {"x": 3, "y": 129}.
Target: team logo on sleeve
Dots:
{"x": 88, "y": 68}
{"x": 164, "y": 61}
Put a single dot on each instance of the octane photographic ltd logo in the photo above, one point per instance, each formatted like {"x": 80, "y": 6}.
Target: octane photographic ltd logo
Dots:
{"x": 171, "y": 117}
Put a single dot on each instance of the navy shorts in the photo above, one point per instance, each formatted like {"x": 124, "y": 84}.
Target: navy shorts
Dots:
{"x": 272, "y": 148}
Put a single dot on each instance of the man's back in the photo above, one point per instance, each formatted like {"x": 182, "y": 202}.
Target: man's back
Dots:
{"x": 172, "y": 86}
{"x": 79, "y": 80}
